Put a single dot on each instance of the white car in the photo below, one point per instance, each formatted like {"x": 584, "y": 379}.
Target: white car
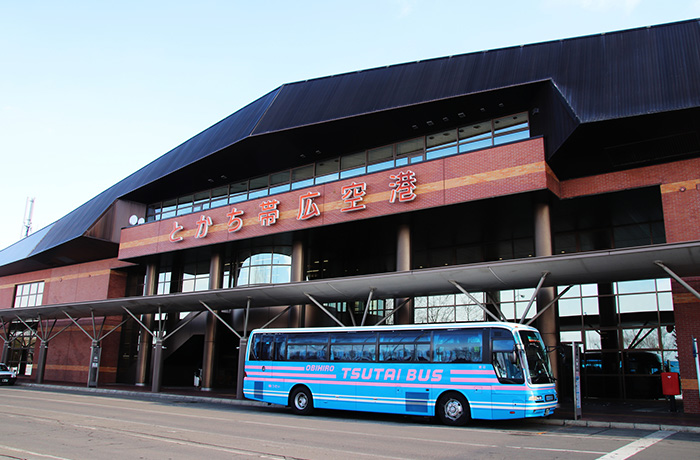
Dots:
{"x": 7, "y": 376}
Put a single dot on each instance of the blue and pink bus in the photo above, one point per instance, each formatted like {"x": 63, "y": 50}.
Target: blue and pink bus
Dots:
{"x": 456, "y": 372}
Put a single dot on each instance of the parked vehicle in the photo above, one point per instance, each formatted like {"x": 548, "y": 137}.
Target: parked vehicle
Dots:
{"x": 7, "y": 376}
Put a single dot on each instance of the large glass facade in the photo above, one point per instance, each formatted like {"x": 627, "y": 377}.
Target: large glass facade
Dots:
{"x": 627, "y": 329}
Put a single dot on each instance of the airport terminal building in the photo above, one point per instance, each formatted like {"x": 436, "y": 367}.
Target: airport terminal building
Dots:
{"x": 556, "y": 184}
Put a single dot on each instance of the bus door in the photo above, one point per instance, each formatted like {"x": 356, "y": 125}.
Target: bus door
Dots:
{"x": 508, "y": 395}
{"x": 260, "y": 369}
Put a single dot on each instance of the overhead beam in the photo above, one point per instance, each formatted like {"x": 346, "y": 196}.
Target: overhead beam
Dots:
{"x": 552, "y": 302}
{"x": 230, "y": 328}
{"x": 394, "y": 311}
{"x": 369, "y": 299}
{"x": 479, "y": 304}
{"x": 680, "y": 281}
{"x": 534, "y": 296}
{"x": 318, "y": 304}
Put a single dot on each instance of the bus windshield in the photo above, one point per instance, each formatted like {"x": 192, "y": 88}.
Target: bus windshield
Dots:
{"x": 539, "y": 370}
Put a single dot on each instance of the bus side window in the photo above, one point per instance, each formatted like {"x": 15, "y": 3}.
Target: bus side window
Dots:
{"x": 505, "y": 358}
{"x": 262, "y": 349}
{"x": 354, "y": 346}
{"x": 458, "y": 346}
{"x": 307, "y": 347}
{"x": 404, "y": 346}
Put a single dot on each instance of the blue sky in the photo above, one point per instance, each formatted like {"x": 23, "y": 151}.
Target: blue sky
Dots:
{"x": 92, "y": 91}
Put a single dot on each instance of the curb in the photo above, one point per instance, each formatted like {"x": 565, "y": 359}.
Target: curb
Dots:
{"x": 149, "y": 396}
{"x": 620, "y": 425}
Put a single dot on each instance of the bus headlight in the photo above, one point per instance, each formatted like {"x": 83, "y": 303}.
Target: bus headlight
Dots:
{"x": 536, "y": 398}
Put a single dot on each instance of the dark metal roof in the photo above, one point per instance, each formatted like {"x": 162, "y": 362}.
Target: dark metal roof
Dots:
{"x": 564, "y": 269}
{"x": 600, "y": 77}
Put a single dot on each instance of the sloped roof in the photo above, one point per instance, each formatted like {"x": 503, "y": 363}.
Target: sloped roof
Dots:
{"x": 601, "y": 77}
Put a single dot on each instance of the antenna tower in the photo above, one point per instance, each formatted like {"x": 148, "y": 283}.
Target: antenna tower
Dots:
{"x": 27, "y": 221}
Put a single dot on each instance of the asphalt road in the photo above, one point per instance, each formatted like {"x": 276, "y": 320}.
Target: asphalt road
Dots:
{"x": 40, "y": 424}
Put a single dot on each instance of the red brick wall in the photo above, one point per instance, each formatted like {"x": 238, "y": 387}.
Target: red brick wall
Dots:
{"x": 687, "y": 315}
{"x": 73, "y": 283}
{"x": 503, "y": 170}
{"x": 679, "y": 184}
{"x": 68, "y": 355}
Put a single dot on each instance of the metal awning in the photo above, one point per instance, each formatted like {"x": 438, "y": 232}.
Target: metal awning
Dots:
{"x": 565, "y": 269}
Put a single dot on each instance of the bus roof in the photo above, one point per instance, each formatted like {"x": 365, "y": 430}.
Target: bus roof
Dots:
{"x": 398, "y": 327}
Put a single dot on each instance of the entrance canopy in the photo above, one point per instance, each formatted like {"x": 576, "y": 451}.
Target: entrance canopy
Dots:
{"x": 658, "y": 261}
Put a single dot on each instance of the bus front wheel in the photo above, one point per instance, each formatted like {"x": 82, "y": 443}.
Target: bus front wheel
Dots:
{"x": 453, "y": 409}
{"x": 301, "y": 401}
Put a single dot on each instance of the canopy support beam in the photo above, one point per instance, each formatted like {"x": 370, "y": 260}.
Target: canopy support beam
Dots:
{"x": 318, "y": 304}
{"x": 479, "y": 304}
{"x": 534, "y": 296}
{"x": 680, "y": 281}
{"x": 369, "y": 299}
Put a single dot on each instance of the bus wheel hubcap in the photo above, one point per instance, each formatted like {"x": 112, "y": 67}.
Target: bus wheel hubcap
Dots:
{"x": 301, "y": 401}
{"x": 453, "y": 409}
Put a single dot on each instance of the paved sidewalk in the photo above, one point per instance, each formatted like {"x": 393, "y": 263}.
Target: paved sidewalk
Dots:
{"x": 642, "y": 415}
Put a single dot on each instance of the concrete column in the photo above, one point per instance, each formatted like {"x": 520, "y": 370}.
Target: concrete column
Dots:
{"x": 298, "y": 313}
{"x": 548, "y": 322}
{"x": 241, "y": 367}
{"x": 94, "y": 371}
{"x": 145, "y": 342}
{"x": 41, "y": 364}
{"x": 208, "y": 360}
{"x": 403, "y": 263}
{"x": 494, "y": 307}
{"x": 5, "y": 351}
{"x": 157, "y": 365}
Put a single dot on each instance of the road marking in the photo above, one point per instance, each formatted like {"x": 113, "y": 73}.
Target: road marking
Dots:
{"x": 637, "y": 446}
{"x": 29, "y": 452}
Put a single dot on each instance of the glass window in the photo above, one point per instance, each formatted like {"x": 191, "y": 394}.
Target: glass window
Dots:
{"x": 475, "y": 133}
{"x": 303, "y": 173}
{"x": 29, "y": 294}
{"x": 268, "y": 347}
{"x": 410, "y": 147}
{"x": 380, "y": 155}
{"x": 279, "y": 178}
{"x": 505, "y": 358}
{"x": 279, "y": 182}
{"x": 164, "y": 278}
{"x": 327, "y": 167}
{"x": 169, "y": 208}
{"x": 354, "y": 346}
{"x": 184, "y": 205}
{"x": 219, "y": 197}
{"x": 258, "y": 187}
{"x": 404, "y": 346}
{"x": 458, "y": 346}
{"x": 440, "y": 140}
{"x": 307, "y": 347}
{"x": 266, "y": 265}
{"x": 238, "y": 192}
{"x": 352, "y": 161}
{"x": 450, "y": 142}
{"x": 201, "y": 201}
{"x": 510, "y": 123}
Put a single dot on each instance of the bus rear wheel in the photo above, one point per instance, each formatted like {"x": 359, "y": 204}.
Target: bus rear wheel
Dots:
{"x": 453, "y": 409}
{"x": 301, "y": 401}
